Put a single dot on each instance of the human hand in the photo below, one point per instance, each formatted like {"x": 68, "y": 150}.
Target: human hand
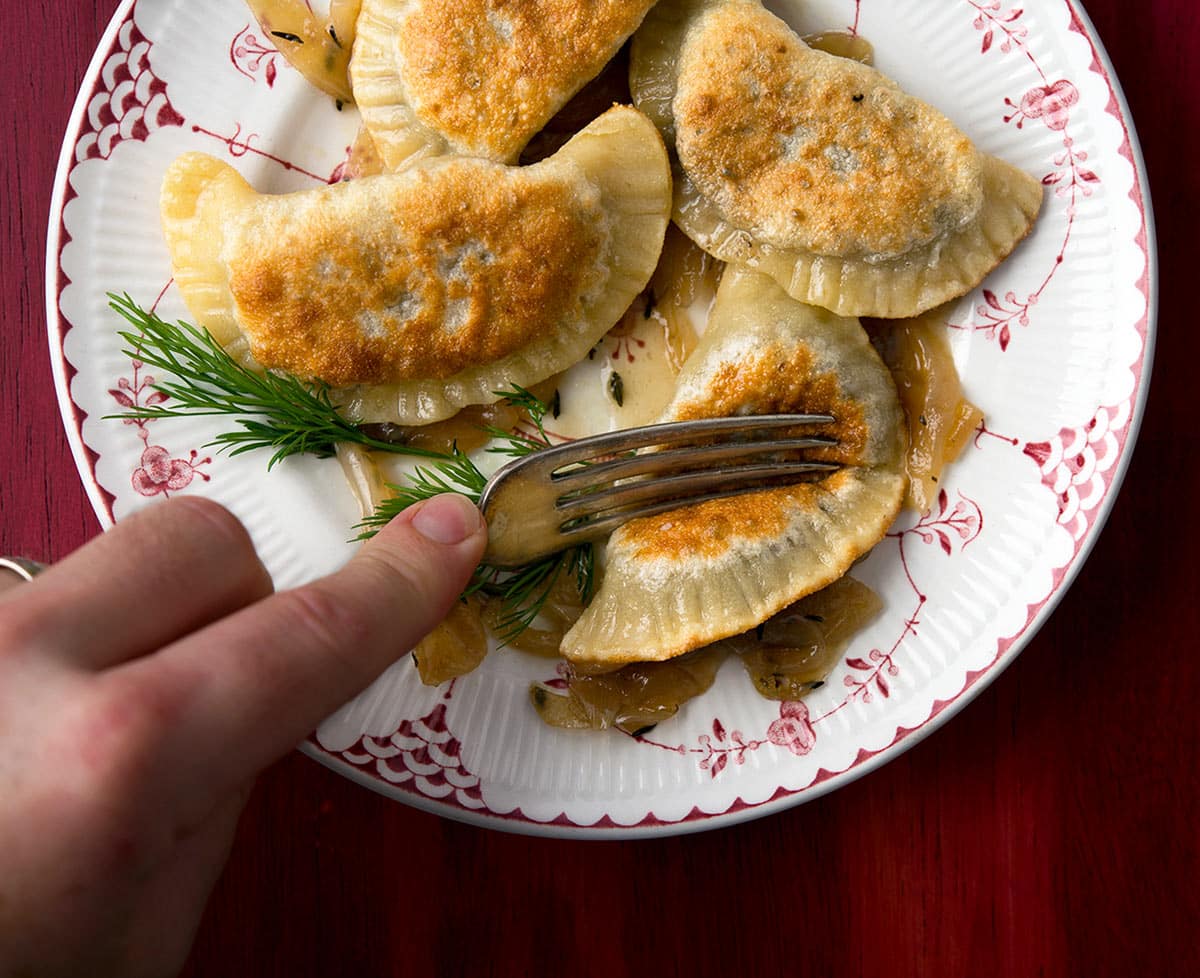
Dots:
{"x": 144, "y": 682}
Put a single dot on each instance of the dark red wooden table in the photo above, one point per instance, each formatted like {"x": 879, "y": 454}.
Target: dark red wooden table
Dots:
{"x": 1050, "y": 829}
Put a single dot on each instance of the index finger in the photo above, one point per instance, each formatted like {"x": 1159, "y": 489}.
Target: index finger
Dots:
{"x": 235, "y": 696}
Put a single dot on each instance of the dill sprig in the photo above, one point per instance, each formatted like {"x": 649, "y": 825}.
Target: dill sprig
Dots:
{"x": 278, "y": 411}
{"x": 519, "y": 442}
{"x": 524, "y": 592}
{"x": 272, "y": 410}
{"x": 454, "y": 473}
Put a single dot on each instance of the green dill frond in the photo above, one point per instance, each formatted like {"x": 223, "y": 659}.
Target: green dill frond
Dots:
{"x": 518, "y": 443}
{"x": 523, "y": 593}
{"x": 456, "y": 473}
{"x": 291, "y": 416}
{"x": 518, "y": 397}
{"x": 583, "y": 566}
{"x": 271, "y": 410}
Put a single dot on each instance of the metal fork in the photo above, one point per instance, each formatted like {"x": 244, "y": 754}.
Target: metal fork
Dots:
{"x": 582, "y": 490}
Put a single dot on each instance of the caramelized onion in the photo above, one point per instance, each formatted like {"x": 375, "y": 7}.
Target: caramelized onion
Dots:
{"x": 786, "y": 658}
{"x": 466, "y": 429}
{"x": 632, "y": 699}
{"x": 940, "y": 418}
{"x": 790, "y": 654}
{"x": 455, "y": 647}
{"x": 686, "y": 277}
{"x": 562, "y": 608}
{"x": 364, "y": 159}
{"x": 363, "y": 476}
{"x": 319, "y": 48}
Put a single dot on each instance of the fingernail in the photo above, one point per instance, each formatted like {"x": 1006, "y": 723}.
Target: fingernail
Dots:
{"x": 447, "y": 519}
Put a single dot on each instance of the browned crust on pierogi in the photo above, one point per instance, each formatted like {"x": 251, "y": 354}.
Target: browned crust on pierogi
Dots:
{"x": 487, "y": 75}
{"x": 454, "y": 266}
{"x": 809, "y": 150}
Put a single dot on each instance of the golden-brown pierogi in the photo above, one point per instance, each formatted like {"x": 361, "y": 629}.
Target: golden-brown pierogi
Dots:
{"x": 679, "y": 581}
{"x": 477, "y": 77}
{"x": 818, "y": 170}
{"x": 415, "y": 294}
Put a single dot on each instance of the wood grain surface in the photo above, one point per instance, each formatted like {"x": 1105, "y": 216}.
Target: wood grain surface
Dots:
{"x": 1049, "y": 829}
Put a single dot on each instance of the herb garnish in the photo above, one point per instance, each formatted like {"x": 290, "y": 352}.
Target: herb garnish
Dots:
{"x": 273, "y": 410}
{"x": 616, "y": 388}
{"x": 292, "y": 416}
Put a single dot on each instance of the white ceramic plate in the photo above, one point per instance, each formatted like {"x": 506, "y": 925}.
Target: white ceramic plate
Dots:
{"x": 1055, "y": 347}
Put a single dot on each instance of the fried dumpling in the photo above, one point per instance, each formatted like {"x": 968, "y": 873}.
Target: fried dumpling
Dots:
{"x": 818, "y": 170}
{"x": 684, "y": 579}
{"x": 415, "y": 294}
{"x": 477, "y": 77}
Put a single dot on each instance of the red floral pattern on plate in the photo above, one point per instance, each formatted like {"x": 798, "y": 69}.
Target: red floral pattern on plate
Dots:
{"x": 1076, "y": 466}
{"x": 793, "y": 729}
{"x": 1051, "y": 103}
{"x": 249, "y": 56}
{"x": 158, "y": 474}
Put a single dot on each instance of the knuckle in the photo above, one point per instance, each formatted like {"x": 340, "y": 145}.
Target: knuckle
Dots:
{"x": 102, "y": 782}
{"x": 125, "y": 728}
{"x": 110, "y": 758}
{"x": 209, "y": 518}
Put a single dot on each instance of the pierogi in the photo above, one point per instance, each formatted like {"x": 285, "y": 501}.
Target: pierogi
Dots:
{"x": 819, "y": 170}
{"x": 681, "y": 580}
{"x": 416, "y": 294}
{"x": 476, "y": 77}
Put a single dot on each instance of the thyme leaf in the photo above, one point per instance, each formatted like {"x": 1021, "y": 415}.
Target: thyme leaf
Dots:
{"x": 616, "y": 388}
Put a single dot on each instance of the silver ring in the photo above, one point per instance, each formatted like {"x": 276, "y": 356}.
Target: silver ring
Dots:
{"x": 23, "y": 567}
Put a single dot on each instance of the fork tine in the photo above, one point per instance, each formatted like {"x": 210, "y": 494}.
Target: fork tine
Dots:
{"x": 579, "y": 491}
{"x": 674, "y": 432}
{"x": 678, "y": 489}
{"x": 602, "y": 525}
{"x": 599, "y": 474}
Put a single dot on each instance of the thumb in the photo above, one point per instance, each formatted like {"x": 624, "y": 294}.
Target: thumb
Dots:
{"x": 274, "y": 670}
{"x": 426, "y": 556}
{"x": 347, "y": 628}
